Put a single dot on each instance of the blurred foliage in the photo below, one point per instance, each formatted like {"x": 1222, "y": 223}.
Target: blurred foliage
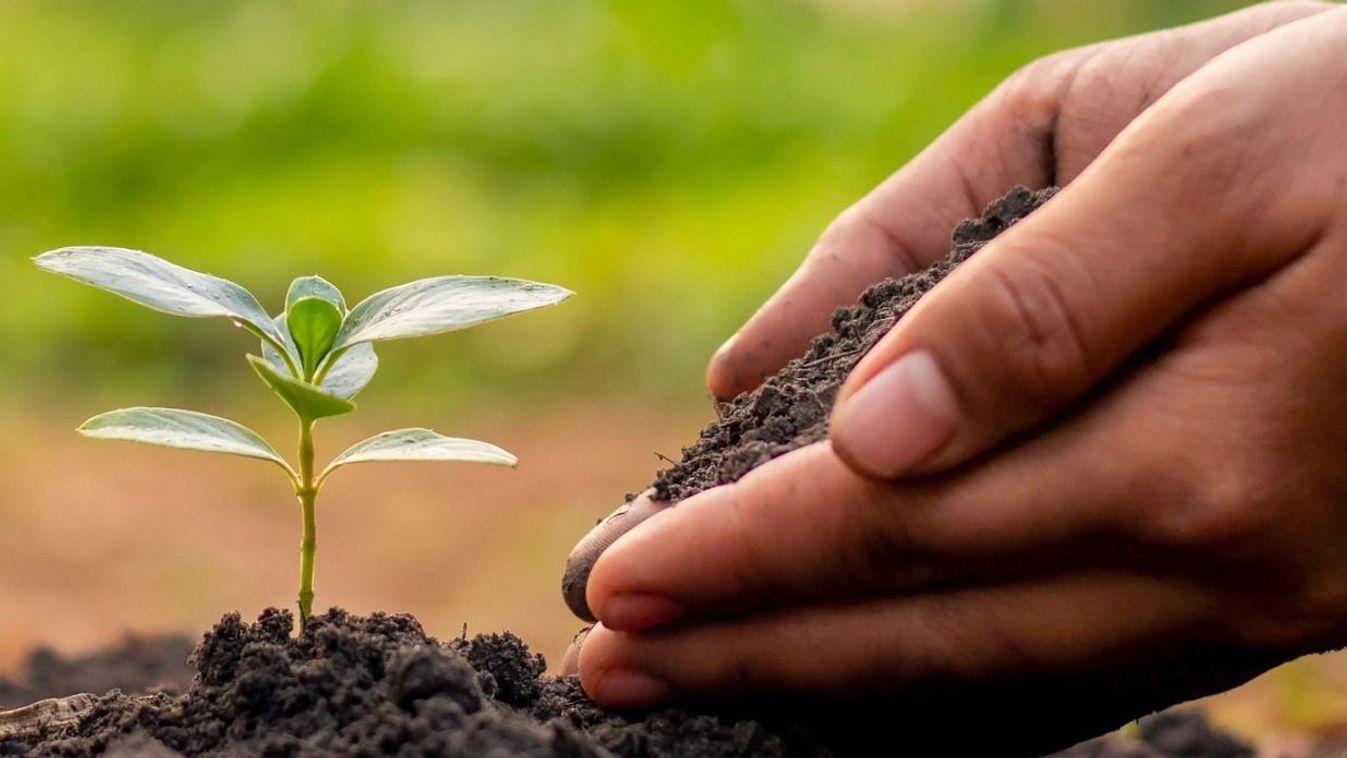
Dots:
{"x": 669, "y": 161}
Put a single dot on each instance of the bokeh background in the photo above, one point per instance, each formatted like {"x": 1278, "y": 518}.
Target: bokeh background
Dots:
{"x": 668, "y": 161}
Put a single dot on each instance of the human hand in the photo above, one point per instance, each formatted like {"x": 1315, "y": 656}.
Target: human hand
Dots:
{"x": 1043, "y": 126}
{"x": 1187, "y": 285}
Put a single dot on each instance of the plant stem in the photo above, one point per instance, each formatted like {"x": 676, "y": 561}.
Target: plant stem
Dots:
{"x": 307, "y": 492}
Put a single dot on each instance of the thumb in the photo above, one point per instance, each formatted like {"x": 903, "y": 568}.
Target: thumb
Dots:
{"x": 1160, "y": 224}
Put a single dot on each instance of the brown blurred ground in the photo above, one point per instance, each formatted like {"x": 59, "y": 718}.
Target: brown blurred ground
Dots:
{"x": 99, "y": 538}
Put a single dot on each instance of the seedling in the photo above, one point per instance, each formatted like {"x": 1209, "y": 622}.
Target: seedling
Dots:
{"x": 316, "y": 355}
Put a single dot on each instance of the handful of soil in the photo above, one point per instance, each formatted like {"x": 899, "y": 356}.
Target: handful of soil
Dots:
{"x": 790, "y": 409}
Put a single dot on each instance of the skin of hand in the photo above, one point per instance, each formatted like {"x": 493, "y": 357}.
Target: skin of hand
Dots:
{"x": 1044, "y": 125}
{"x": 1115, "y": 433}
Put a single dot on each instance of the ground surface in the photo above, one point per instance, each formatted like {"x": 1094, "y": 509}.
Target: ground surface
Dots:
{"x": 380, "y": 685}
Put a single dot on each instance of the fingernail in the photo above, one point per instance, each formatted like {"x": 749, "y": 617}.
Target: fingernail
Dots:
{"x": 635, "y": 612}
{"x": 629, "y": 688}
{"x": 898, "y": 418}
{"x": 575, "y": 579}
{"x": 570, "y": 662}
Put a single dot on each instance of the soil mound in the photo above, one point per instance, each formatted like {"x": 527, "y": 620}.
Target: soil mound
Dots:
{"x": 380, "y": 686}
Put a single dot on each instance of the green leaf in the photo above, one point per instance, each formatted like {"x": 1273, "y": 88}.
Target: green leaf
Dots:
{"x": 350, "y": 373}
{"x": 352, "y": 370}
{"x": 442, "y": 304}
{"x": 420, "y": 445}
{"x": 313, "y": 323}
{"x": 314, "y": 286}
{"x": 308, "y": 401}
{"x": 188, "y": 430}
{"x": 158, "y": 284}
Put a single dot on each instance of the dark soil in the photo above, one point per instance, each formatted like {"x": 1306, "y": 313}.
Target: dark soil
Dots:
{"x": 379, "y": 685}
{"x": 790, "y": 409}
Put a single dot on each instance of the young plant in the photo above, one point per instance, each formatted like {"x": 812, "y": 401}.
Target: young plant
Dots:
{"x": 316, "y": 355}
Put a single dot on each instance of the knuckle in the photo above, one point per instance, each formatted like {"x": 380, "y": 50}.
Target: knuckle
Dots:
{"x": 1113, "y": 85}
{"x": 1202, "y": 129}
{"x": 1030, "y": 95}
{"x": 840, "y": 235}
{"x": 896, "y": 547}
{"x": 1041, "y": 342}
{"x": 841, "y": 229}
{"x": 831, "y": 250}
{"x": 1220, "y": 508}
{"x": 887, "y": 553}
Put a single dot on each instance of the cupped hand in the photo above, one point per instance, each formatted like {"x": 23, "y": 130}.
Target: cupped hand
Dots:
{"x": 1116, "y": 433}
{"x": 1042, "y": 126}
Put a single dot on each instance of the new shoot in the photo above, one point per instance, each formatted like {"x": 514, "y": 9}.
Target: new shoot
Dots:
{"x": 315, "y": 355}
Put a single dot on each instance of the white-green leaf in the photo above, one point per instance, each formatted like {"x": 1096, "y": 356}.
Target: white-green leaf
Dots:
{"x": 273, "y": 356}
{"x": 307, "y": 401}
{"x": 314, "y": 286}
{"x": 442, "y": 304}
{"x": 353, "y": 370}
{"x": 158, "y": 284}
{"x": 420, "y": 445}
{"x": 188, "y": 430}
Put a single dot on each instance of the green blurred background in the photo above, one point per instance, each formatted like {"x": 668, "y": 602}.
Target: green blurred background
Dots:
{"x": 668, "y": 161}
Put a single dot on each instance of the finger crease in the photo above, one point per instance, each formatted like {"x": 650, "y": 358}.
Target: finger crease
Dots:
{"x": 1053, "y": 147}
{"x": 898, "y": 247}
{"x": 747, "y": 573}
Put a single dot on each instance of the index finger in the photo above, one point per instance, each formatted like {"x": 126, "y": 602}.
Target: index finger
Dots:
{"x": 902, "y": 225}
